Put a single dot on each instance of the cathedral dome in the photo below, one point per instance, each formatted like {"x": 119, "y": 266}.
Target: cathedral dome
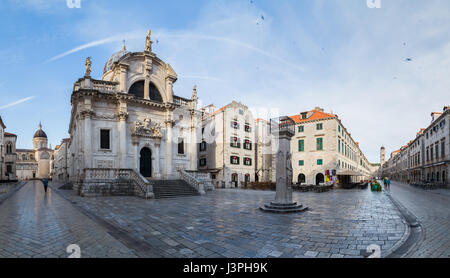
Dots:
{"x": 40, "y": 133}
{"x": 115, "y": 58}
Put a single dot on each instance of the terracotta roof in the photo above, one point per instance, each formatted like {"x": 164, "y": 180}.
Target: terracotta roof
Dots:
{"x": 261, "y": 120}
{"x": 316, "y": 115}
{"x": 10, "y": 134}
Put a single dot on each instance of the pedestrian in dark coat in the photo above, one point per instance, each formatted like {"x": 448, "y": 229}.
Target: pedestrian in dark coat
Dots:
{"x": 45, "y": 182}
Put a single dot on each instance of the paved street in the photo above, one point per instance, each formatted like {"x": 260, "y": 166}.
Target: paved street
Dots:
{"x": 228, "y": 223}
{"x": 432, "y": 208}
{"x": 33, "y": 224}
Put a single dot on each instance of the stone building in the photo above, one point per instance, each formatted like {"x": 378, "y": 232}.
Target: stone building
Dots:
{"x": 264, "y": 155}
{"x": 36, "y": 162}
{"x": 62, "y": 163}
{"x": 8, "y": 156}
{"x": 227, "y": 148}
{"x": 323, "y": 148}
{"x": 130, "y": 129}
{"x": 427, "y": 157}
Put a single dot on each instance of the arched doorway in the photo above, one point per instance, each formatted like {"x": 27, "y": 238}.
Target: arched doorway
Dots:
{"x": 301, "y": 179}
{"x": 146, "y": 162}
{"x": 320, "y": 178}
{"x": 234, "y": 180}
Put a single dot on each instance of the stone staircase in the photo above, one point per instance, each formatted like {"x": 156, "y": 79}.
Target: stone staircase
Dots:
{"x": 173, "y": 189}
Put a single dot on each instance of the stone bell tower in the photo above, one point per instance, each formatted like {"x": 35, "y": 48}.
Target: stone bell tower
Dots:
{"x": 382, "y": 156}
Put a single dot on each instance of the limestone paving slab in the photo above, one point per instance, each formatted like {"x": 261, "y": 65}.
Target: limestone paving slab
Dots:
{"x": 432, "y": 209}
{"x": 38, "y": 225}
{"x": 229, "y": 223}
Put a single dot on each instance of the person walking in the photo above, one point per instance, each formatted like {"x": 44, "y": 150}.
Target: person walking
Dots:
{"x": 388, "y": 183}
{"x": 45, "y": 182}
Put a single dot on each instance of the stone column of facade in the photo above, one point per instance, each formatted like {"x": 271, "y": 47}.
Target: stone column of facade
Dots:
{"x": 157, "y": 172}
{"x": 169, "y": 143}
{"x": 123, "y": 78}
{"x": 193, "y": 144}
{"x": 123, "y": 116}
{"x": 169, "y": 87}
{"x": 135, "y": 143}
{"x": 148, "y": 68}
{"x": 87, "y": 146}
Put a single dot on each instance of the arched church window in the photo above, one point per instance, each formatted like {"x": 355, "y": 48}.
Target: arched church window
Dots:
{"x": 137, "y": 89}
{"x": 24, "y": 157}
{"x": 9, "y": 148}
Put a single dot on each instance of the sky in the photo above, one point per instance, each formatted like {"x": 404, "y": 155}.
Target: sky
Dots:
{"x": 382, "y": 70}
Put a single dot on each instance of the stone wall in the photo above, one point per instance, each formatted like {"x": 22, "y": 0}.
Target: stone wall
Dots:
{"x": 100, "y": 188}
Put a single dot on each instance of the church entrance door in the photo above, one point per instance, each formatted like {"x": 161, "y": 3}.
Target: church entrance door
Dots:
{"x": 146, "y": 162}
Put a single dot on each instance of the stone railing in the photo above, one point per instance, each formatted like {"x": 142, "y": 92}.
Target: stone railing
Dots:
{"x": 146, "y": 188}
{"x": 204, "y": 178}
{"x": 192, "y": 181}
{"x": 181, "y": 101}
{"x": 104, "y": 86}
{"x": 98, "y": 85}
{"x": 97, "y": 181}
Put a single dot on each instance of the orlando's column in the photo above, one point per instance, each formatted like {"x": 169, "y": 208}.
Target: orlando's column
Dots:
{"x": 283, "y": 129}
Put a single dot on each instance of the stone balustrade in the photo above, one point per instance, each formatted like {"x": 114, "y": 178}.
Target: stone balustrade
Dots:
{"x": 109, "y": 181}
{"x": 192, "y": 181}
{"x": 104, "y": 86}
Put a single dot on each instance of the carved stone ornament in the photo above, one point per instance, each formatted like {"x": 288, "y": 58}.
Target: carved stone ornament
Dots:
{"x": 146, "y": 128}
{"x": 87, "y": 113}
{"x": 123, "y": 115}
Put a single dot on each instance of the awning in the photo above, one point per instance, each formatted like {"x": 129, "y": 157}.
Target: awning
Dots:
{"x": 348, "y": 173}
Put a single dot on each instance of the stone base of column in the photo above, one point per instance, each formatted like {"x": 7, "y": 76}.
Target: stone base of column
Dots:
{"x": 283, "y": 208}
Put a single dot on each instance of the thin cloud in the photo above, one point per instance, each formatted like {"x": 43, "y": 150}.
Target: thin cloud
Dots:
{"x": 237, "y": 43}
{"x": 132, "y": 35}
{"x": 139, "y": 34}
{"x": 16, "y": 103}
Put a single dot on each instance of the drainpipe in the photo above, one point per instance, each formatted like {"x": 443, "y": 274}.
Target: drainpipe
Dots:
{"x": 223, "y": 146}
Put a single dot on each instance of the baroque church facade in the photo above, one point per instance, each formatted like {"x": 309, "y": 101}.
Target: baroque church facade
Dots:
{"x": 131, "y": 125}
{"x": 37, "y": 162}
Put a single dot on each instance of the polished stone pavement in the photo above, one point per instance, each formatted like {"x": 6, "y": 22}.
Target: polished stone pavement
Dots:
{"x": 38, "y": 225}
{"x": 228, "y": 223}
{"x": 432, "y": 209}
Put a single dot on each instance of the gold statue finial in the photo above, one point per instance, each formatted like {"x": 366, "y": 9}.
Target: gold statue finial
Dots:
{"x": 148, "y": 42}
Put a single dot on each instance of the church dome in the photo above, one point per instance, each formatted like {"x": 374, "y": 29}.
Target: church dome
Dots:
{"x": 115, "y": 58}
{"x": 40, "y": 133}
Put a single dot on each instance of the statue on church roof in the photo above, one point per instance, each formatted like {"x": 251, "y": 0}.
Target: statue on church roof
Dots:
{"x": 88, "y": 65}
{"x": 148, "y": 42}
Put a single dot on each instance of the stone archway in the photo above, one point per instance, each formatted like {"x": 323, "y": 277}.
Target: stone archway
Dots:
{"x": 145, "y": 162}
{"x": 301, "y": 179}
{"x": 320, "y": 178}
